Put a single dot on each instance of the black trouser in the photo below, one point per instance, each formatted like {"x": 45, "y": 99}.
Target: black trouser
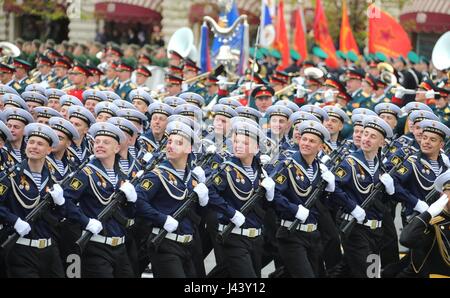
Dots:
{"x": 212, "y": 226}
{"x": 172, "y": 260}
{"x": 242, "y": 256}
{"x": 31, "y": 262}
{"x": 329, "y": 233}
{"x": 361, "y": 242}
{"x": 67, "y": 234}
{"x": 270, "y": 246}
{"x": 389, "y": 241}
{"x": 300, "y": 251}
{"x": 197, "y": 253}
{"x": 101, "y": 260}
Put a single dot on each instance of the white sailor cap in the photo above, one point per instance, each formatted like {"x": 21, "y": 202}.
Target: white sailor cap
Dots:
{"x": 69, "y": 100}
{"x": 35, "y": 88}
{"x": 357, "y": 119}
{"x": 387, "y": 107}
{"x": 5, "y": 133}
{"x": 174, "y": 101}
{"x": 17, "y": 114}
{"x": 106, "y": 107}
{"x": 314, "y": 127}
{"x": 364, "y": 111}
{"x": 378, "y": 124}
{"x": 191, "y": 97}
{"x": 42, "y": 131}
{"x": 419, "y": 115}
{"x": 109, "y": 130}
{"x": 230, "y": 102}
{"x": 111, "y": 96}
{"x": 34, "y": 97}
{"x": 291, "y": 105}
{"x": 316, "y": 111}
{"x": 123, "y": 104}
{"x": 435, "y": 127}
{"x": 14, "y": 100}
{"x": 301, "y": 116}
{"x": 54, "y": 93}
{"x": 224, "y": 110}
{"x": 124, "y": 124}
{"x": 93, "y": 94}
{"x": 160, "y": 108}
{"x": 142, "y": 94}
{"x": 132, "y": 115}
{"x": 442, "y": 182}
{"x": 189, "y": 110}
{"x": 180, "y": 128}
{"x": 46, "y": 112}
{"x": 279, "y": 110}
{"x": 186, "y": 120}
{"x": 4, "y": 89}
{"x": 336, "y": 112}
{"x": 414, "y": 105}
{"x": 82, "y": 113}
{"x": 249, "y": 112}
{"x": 64, "y": 126}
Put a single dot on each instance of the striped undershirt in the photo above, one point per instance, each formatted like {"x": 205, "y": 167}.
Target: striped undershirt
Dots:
{"x": 17, "y": 154}
{"x": 371, "y": 164}
{"x": 180, "y": 173}
{"x": 79, "y": 151}
{"x": 132, "y": 150}
{"x": 60, "y": 165}
{"x": 333, "y": 145}
{"x": 435, "y": 167}
{"x": 250, "y": 173}
{"x": 125, "y": 165}
{"x": 37, "y": 179}
{"x": 112, "y": 176}
{"x": 310, "y": 172}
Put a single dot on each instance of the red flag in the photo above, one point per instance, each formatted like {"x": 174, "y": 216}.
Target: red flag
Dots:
{"x": 281, "y": 39}
{"x": 386, "y": 35}
{"x": 347, "y": 41}
{"x": 322, "y": 35}
{"x": 299, "y": 34}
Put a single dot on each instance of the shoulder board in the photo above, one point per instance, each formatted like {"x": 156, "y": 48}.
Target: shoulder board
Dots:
{"x": 351, "y": 161}
{"x": 436, "y": 220}
{"x": 412, "y": 158}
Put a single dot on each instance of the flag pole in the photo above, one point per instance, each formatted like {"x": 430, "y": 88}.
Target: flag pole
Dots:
{"x": 254, "y": 61}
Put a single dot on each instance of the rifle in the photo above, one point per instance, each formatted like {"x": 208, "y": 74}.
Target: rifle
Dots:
{"x": 347, "y": 225}
{"x": 251, "y": 202}
{"x": 117, "y": 199}
{"x": 43, "y": 205}
{"x": 181, "y": 212}
{"x": 334, "y": 156}
{"x": 318, "y": 191}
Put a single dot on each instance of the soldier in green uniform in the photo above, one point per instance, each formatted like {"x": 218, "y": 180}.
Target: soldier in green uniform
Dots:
{"x": 442, "y": 107}
{"x": 6, "y": 75}
{"x": 110, "y": 80}
{"x": 61, "y": 80}
{"x": 354, "y": 77}
{"x": 125, "y": 85}
{"x": 21, "y": 75}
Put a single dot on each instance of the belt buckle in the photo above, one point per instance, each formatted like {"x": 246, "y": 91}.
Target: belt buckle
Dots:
{"x": 309, "y": 228}
{"x": 252, "y": 232}
{"x": 41, "y": 243}
{"x": 373, "y": 224}
{"x": 186, "y": 238}
{"x": 115, "y": 241}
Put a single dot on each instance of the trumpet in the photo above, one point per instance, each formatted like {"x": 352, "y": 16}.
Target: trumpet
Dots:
{"x": 217, "y": 71}
{"x": 286, "y": 89}
{"x": 410, "y": 91}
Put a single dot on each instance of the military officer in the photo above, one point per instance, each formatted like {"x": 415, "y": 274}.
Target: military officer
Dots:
{"x": 82, "y": 119}
{"x": 162, "y": 192}
{"x": 125, "y": 85}
{"x": 16, "y": 120}
{"x": 442, "y": 107}
{"x": 89, "y": 192}
{"x": 61, "y": 79}
{"x": 6, "y": 75}
{"x": 35, "y": 254}
{"x": 21, "y": 78}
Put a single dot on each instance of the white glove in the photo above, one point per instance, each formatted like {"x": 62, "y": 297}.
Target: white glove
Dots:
{"x": 269, "y": 186}
{"x": 200, "y": 173}
{"x": 436, "y": 208}
{"x": 94, "y": 226}
{"x": 301, "y": 92}
{"x": 128, "y": 189}
{"x": 238, "y": 219}
{"x": 330, "y": 179}
{"x": 57, "y": 194}
{"x": 264, "y": 158}
{"x": 399, "y": 91}
{"x": 359, "y": 214}
{"x": 429, "y": 94}
{"x": 171, "y": 224}
{"x": 421, "y": 206}
{"x": 202, "y": 192}
{"x": 388, "y": 183}
{"x": 325, "y": 158}
{"x": 147, "y": 156}
{"x": 323, "y": 167}
{"x": 22, "y": 227}
{"x": 302, "y": 213}
{"x": 328, "y": 96}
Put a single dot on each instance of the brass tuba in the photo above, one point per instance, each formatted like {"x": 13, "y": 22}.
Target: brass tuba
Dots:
{"x": 7, "y": 51}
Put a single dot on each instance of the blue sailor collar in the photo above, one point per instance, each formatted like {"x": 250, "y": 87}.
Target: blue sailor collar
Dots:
{"x": 359, "y": 157}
